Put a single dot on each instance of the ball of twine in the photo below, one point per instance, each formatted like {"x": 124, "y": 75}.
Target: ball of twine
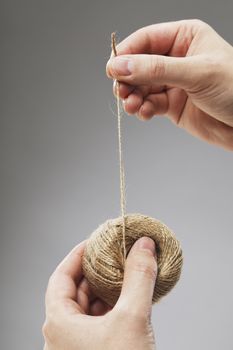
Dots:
{"x": 103, "y": 259}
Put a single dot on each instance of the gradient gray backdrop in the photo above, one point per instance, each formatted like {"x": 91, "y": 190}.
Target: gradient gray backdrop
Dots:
{"x": 59, "y": 167}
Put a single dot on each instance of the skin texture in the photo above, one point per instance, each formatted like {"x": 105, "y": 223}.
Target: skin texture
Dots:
{"x": 182, "y": 70}
{"x": 76, "y": 319}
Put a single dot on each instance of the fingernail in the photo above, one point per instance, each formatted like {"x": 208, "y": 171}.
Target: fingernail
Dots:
{"x": 145, "y": 243}
{"x": 120, "y": 65}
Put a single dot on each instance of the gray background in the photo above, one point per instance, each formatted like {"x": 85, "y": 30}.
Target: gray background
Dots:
{"x": 59, "y": 167}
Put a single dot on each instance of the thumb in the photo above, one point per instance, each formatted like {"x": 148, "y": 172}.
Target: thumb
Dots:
{"x": 180, "y": 72}
{"x": 139, "y": 278}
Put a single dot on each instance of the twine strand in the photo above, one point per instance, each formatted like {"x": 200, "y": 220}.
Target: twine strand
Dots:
{"x": 121, "y": 162}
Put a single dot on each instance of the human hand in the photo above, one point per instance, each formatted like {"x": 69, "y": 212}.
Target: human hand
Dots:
{"x": 180, "y": 69}
{"x": 76, "y": 319}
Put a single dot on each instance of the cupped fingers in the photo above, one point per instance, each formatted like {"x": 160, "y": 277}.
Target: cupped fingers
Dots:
{"x": 154, "y": 104}
{"x": 84, "y": 295}
{"x": 99, "y": 308}
{"x": 133, "y": 102}
{"x": 124, "y": 90}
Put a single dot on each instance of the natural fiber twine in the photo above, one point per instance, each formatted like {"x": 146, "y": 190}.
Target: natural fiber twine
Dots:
{"x": 103, "y": 260}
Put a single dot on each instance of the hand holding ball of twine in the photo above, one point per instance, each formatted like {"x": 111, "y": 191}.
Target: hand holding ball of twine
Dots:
{"x": 103, "y": 260}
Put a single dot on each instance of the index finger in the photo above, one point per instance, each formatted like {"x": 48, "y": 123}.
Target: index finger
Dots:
{"x": 158, "y": 39}
{"x": 63, "y": 282}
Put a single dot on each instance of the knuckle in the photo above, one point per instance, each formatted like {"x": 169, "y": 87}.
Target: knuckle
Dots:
{"x": 157, "y": 68}
{"x": 46, "y": 330}
{"x": 49, "y": 330}
{"x": 198, "y": 23}
{"x": 145, "y": 264}
{"x": 211, "y": 68}
{"x": 209, "y": 71}
{"x": 147, "y": 270}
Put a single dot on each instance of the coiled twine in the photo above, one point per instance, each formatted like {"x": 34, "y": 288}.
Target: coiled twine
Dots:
{"x": 103, "y": 259}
